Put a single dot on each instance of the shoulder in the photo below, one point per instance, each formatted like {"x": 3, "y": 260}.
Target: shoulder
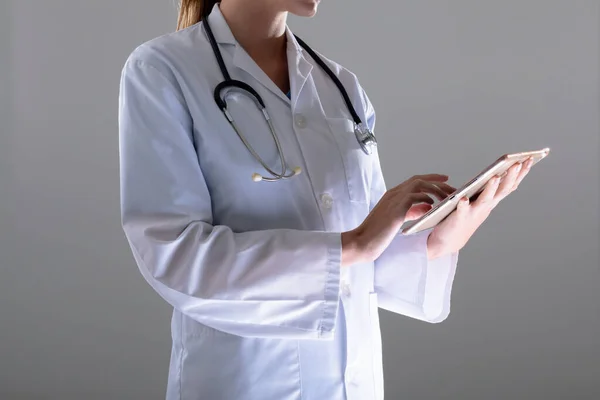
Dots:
{"x": 170, "y": 54}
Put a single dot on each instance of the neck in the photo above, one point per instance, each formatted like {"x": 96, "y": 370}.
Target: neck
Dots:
{"x": 257, "y": 26}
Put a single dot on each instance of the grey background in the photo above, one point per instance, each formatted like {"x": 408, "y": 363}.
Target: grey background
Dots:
{"x": 79, "y": 322}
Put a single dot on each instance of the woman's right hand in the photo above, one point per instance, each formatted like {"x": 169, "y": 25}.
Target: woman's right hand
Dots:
{"x": 407, "y": 201}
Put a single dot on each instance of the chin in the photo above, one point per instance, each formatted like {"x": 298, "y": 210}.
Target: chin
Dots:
{"x": 304, "y": 8}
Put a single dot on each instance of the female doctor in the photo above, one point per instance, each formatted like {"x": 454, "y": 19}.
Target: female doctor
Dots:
{"x": 271, "y": 231}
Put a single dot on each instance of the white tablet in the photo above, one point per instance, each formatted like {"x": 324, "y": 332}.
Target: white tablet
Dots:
{"x": 470, "y": 190}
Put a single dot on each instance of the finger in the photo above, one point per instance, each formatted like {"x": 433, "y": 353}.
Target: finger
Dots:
{"x": 430, "y": 188}
{"x": 416, "y": 198}
{"x": 445, "y": 187}
{"x": 463, "y": 207}
{"x": 508, "y": 182}
{"x": 438, "y": 189}
{"x": 524, "y": 171}
{"x": 487, "y": 195}
{"x": 430, "y": 177}
{"x": 410, "y": 201}
{"x": 415, "y": 180}
{"x": 417, "y": 211}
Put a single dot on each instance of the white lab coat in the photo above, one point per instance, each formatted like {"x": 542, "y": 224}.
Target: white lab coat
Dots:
{"x": 262, "y": 309}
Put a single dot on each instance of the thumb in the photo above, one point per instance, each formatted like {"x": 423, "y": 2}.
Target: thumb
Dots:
{"x": 417, "y": 211}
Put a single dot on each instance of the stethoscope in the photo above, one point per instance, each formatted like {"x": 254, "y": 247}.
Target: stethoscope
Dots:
{"x": 364, "y": 136}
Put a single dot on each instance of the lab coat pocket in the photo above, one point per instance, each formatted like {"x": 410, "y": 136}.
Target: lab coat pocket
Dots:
{"x": 376, "y": 346}
{"x": 358, "y": 165}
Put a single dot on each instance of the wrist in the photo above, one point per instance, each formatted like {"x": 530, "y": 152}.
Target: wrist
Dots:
{"x": 433, "y": 247}
{"x": 352, "y": 252}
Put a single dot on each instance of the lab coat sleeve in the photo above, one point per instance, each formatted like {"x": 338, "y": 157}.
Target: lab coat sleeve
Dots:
{"x": 273, "y": 283}
{"x": 406, "y": 282}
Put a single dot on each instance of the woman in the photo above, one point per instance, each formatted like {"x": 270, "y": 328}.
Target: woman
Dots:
{"x": 275, "y": 285}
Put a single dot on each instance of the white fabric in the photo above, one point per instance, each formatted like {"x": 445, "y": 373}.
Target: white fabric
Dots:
{"x": 262, "y": 309}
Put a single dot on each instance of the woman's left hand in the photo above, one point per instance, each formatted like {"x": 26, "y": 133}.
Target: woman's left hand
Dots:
{"x": 454, "y": 232}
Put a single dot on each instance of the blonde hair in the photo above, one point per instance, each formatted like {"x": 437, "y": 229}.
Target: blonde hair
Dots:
{"x": 192, "y": 11}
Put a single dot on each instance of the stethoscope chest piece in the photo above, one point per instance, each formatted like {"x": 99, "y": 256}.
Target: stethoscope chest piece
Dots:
{"x": 365, "y": 138}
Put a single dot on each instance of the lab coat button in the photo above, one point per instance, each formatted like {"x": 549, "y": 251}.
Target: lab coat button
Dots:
{"x": 300, "y": 121}
{"x": 327, "y": 200}
{"x": 346, "y": 289}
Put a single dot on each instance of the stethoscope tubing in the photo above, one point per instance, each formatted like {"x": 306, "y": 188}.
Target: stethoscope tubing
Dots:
{"x": 229, "y": 84}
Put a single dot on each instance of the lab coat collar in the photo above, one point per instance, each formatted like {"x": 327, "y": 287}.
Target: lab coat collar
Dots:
{"x": 299, "y": 67}
{"x": 219, "y": 27}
